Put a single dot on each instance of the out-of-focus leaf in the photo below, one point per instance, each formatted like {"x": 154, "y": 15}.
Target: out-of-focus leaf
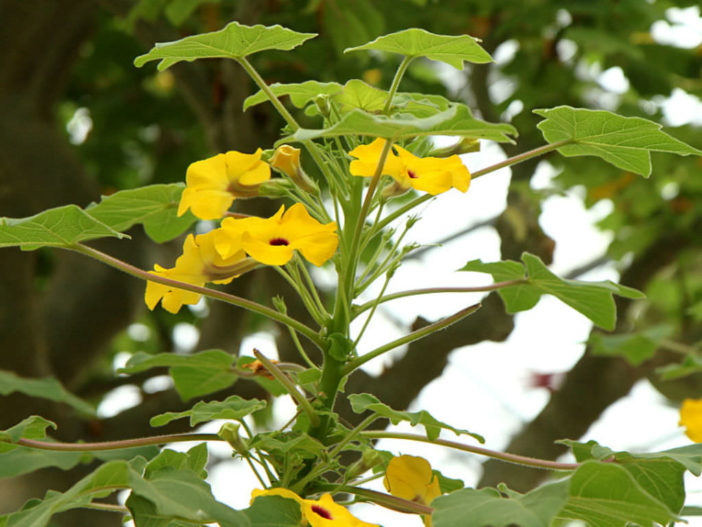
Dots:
{"x": 47, "y": 388}
{"x": 193, "y": 375}
{"x": 300, "y": 94}
{"x": 635, "y": 347}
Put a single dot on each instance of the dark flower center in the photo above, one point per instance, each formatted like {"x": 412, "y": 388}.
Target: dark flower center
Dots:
{"x": 412, "y": 174}
{"x": 279, "y": 241}
{"x": 324, "y": 513}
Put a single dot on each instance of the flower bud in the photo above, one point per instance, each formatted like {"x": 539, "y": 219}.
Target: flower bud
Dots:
{"x": 464, "y": 146}
{"x": 286, "y": 159}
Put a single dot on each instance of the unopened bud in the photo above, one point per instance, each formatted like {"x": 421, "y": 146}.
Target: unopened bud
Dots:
{"x": 286, "y": 159}
{"x": 464, "y": 146}
{"x": 322, "y": 103}
{"x": 394, "y": 190}
{"x": 230, "y": 433}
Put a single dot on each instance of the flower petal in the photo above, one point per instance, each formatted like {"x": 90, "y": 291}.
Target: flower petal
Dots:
{"x": 691, "y": 418}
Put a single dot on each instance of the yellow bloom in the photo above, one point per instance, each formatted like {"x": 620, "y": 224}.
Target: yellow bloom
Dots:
{"x": 691, "y": 418}
{"x": 272, "y": 241}
{"x": 212, "y": 184}
{"x": 317, "y": 513}
{"x": 429, "y": 174}
{"x": 198, "y": 264}
{"x": 411, "y": 478}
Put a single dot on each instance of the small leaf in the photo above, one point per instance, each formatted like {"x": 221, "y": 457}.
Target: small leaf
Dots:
{"x": 235, "y": 41}
{"x": 625, "y": 142}
{"x": 300, "y": 93}
{"x": 358, "y": 94}
{"x": 452, "y": 50}
{"x": 361, "y": 402}
{"x": 47, "y": 388}
{"x": 456, "y": 120}
{"x": 58, "y": 227}
{"x": 193, "y": 375}
{"x": 478, "y": 508}
{"x": 233, "y": 407}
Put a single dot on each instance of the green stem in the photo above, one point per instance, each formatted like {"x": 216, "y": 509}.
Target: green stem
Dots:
{"x": 521, "y": 157}
{"x": 402, "y": 68}
{"x": 301, "y": 291}
{"x": 311, "y": 286}
{"x": 109, "y": 507}
{"x": 282, "y": 110}
{"x": 360, "y": 427}
{"x": 376, "y": 302}
{"x": 399, "y": 212}
{"x": 115, "y": 445}
{"x": 212, "y": 293}
{"x": 504, "y": 456}
{"x": 290, "y": 387}
{"x": 679, "y": 347}
{"x": 411, "y": 337}
{"x": 433, "y": 290}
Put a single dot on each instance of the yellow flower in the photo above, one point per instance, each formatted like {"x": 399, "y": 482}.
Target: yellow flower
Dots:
{"x": 317, "y": 513}
{"x": 272, "y": 241}
{"x": 198, "y": 264}
{"x": 691, "y": 418}
{"x": 429, "y": 174}
{"x": 212, "y": 184}
{"x": 411, "y": 478}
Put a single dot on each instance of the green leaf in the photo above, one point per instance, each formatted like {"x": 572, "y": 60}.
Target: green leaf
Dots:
{"x": 47, "y": 388}
{"x": 154, "y": 206}
{"x": 478, "y": 508}
{"x": 456, "y": 120}
{"x": 33, "y": 427}
{"x": 607, "y": 495}
{"x": 358, "y": 94}
{"x": 274, "y": 511}
{"x": 592, "y": 299}
{"x": 361, "y": 402}
{"x": 635, "y": 347}
{"x": 180, "y": 494}
{"x": 235, "y": 41}
{"x": 194, "y": 375}
{"x": 22, "y": 460}
{"x": 690, "y": 365}
{"x": 625, "y": 142}
{"x": 233, "y": 407}
{"x": 452, "y": 50}
{"x": 58, "y": 227}
{"x": 300, "y": 93}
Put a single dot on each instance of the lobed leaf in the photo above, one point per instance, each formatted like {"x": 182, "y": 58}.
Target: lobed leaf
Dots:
{"x": 592, "y": 299}
{"x": 625, "y": 142}
{"x": 47, "y": 388}
{"x": 153, "y": 206}
{"x": 234, "y": 41}
{"x": 452, "y": 50}
{"x": 361, "y": 402}
{"x": 193, "y": 375}
{"x": 477, "y": 508}
{"x": 456, "y": 120}
{"x": 57, "y": 227}
{"x": 233, "y": 407}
